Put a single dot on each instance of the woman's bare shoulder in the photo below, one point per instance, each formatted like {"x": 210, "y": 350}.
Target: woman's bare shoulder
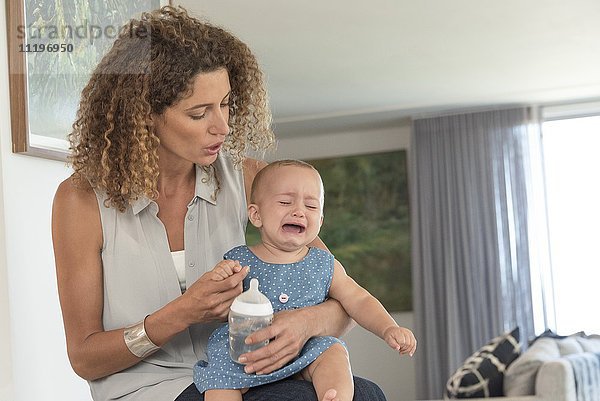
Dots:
{"x": 72, "y": 194}
{"x": 75, "y": 209}
{"x": 76, "y": 221}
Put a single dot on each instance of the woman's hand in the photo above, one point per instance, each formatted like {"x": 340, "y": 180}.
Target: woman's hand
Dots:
{"x": 288, "y": 333}
{"x": 290, "y": 330}
{"x": 209, "y": 298}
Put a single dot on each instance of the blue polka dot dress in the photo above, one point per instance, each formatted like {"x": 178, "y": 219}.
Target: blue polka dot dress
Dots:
{"x": 288, "y": 286}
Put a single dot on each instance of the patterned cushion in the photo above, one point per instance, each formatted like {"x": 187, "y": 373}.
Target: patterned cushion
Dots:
{"x": 482, "y": 374}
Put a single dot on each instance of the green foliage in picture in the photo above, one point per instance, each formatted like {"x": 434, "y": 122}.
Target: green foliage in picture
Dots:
{"x": 367, "y": 224}
{"x": 75, "y": 35}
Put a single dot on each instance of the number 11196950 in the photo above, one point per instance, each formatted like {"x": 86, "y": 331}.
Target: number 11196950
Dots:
{"x": 42, "y": 47}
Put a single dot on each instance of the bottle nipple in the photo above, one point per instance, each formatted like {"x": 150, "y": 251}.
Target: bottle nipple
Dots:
{"x": 252, "y": 302}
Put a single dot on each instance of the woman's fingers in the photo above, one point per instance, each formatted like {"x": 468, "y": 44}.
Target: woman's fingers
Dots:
{"x": 273, "y": 356}
{"x": 209, "y": 300}
{"x": 287, "y": 334}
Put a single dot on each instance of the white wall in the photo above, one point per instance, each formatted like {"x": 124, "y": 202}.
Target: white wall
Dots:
{"x": 343, "y": 143}
{"x": 5, "y": 360}
{"x": 370, "y": 356}
{"x": 37, "y": 366}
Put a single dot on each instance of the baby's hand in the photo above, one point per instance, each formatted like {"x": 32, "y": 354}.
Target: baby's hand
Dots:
{"x": 225, "y": 268}
{"x": 401, "y": 339}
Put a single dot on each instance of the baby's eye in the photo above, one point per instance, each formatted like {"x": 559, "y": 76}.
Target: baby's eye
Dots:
{"x": 312, "y": 207}
{"x": 284, "y": 202}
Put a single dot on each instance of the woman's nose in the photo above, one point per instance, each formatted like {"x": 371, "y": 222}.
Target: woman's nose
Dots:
{"x": 220, "y": 123}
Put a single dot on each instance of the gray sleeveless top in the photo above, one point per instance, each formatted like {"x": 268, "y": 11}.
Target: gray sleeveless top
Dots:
{"x": 140, "y": 277}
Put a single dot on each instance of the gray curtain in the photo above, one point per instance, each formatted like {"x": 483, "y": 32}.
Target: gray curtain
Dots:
{"x": 470, "y": 258}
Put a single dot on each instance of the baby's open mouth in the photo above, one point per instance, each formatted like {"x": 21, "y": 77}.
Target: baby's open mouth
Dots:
{"x": 293, "y": 228}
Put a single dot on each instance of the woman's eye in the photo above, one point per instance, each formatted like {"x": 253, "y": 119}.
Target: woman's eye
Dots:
{"x": 225, "y": 104}
{"x": 199, "y": 117}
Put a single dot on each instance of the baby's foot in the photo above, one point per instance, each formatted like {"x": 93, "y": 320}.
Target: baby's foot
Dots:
{"x": 330, "y": 395}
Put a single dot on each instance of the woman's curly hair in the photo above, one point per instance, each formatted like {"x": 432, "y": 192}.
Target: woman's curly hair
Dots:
{"x": 150, "y": 67}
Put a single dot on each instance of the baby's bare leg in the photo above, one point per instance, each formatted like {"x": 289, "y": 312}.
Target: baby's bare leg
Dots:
{"x": 223, "y": 395}
{"x": 331, "y": 370}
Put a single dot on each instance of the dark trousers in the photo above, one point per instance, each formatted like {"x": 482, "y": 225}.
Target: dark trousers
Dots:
{"x": 292, "y": 390}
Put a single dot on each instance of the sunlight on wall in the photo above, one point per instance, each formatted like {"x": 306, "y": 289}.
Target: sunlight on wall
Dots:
{"x": 571, "y": 161}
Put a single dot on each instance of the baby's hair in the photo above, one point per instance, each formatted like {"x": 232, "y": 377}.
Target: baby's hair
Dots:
{"x": 258, "y": 180}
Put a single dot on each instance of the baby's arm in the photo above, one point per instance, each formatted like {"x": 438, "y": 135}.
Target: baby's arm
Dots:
{"x": 224, "y": 269}
{"x": 367, "y": 311}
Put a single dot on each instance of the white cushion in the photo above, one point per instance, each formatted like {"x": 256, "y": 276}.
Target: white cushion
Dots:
{"x": 590, "y": 344}
{"x": 569, "y": 345}
{"x": 519, "y": 378}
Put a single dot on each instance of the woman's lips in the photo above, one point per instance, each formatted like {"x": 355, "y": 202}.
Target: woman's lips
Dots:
{"x": 213, "y": 150}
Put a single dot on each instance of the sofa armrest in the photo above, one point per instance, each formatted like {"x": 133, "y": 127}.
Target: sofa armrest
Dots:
{"x": 555, "y": 381}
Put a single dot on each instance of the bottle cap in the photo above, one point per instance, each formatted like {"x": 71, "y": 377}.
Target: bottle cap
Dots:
{"x": 252, "y": 302}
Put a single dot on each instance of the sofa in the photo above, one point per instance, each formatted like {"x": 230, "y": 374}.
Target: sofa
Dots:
{"x": 553, "y": 368}
{"x": 557, "y": 369}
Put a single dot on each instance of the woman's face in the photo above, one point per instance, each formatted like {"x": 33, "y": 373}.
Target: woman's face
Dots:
{"x": 194, "y": 128}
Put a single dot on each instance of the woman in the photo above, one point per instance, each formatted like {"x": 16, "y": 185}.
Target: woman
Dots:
{"x": 157, "y": 196}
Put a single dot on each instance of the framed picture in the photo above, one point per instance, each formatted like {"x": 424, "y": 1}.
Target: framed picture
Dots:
{"x": 53, "y": 48}
{"x": 367, "y": 222}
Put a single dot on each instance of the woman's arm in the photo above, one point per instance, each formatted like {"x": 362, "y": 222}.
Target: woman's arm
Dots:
{"x": 77, "y": 238}
{"x": 291, "y": 329}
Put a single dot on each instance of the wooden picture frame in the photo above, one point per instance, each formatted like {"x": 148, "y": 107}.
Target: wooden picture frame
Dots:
{"x": 40, "y": 137}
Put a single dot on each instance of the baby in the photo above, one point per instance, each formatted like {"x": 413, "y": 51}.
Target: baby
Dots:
{"x": 286, "y": 205}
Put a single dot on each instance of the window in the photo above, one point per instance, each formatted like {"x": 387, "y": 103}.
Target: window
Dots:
{"x": 572, "y": 170}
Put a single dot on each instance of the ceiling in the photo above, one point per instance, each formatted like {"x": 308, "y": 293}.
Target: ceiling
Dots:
{"x": 347, "y": 64}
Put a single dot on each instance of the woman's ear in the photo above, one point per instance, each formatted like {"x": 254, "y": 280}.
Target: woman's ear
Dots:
{"x": 254, "y": 215}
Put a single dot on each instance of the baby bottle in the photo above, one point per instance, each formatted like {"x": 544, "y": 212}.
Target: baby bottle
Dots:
{"x": 249, "y": 312}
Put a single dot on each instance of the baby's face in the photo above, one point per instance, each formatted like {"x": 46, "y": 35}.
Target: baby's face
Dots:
{"x": 290, "y": 207}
